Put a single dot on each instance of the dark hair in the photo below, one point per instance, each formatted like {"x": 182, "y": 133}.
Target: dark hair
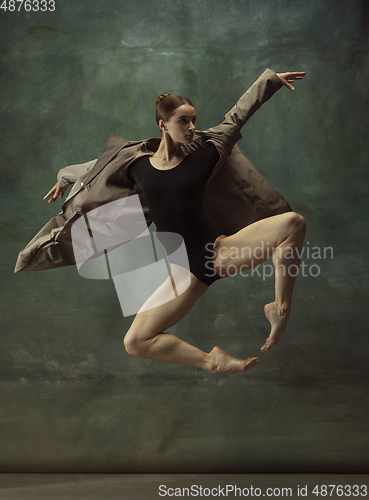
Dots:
{"x": 167, "y": 103}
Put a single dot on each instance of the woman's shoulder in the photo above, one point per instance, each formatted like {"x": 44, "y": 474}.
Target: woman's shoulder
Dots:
{"x": 209, "y": 150}
{"x": 205, "y": 153}
{"x": 213, "y": 138}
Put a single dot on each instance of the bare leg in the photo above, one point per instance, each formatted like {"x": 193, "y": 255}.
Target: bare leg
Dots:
{"x": 282, "y": 234}
{"x": 146, "y": 339}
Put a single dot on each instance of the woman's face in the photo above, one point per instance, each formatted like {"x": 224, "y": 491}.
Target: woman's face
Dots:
{"x": 181, "y": 125}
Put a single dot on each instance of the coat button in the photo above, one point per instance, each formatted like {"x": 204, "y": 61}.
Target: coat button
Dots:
{"x": 81, "y": 183}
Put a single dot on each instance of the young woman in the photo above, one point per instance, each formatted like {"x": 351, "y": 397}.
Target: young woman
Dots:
{"x": 173, "y": 179}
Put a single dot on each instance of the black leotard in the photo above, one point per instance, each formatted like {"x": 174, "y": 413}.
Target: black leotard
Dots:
{"x": 175, "y": 201}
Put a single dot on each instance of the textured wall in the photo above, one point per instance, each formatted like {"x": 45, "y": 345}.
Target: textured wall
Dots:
{"x": 72, "y": 398}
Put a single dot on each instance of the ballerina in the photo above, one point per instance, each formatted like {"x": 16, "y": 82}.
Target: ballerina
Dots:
{"x": 173, "y": 182}
{"x": 172, "y": 174}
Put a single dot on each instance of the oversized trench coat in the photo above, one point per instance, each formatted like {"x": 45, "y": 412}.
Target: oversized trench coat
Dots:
{"x": 235, "y": 195}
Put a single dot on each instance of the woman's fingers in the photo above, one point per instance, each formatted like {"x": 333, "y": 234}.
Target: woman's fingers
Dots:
{"x": 48, "y": 194}
{"x": 290, "y": 76}
{"x": 288, "y": 85}
{"x": 54, "y": 191}
{"x": 53, "y": 198}
{"x": 295, "y": 74}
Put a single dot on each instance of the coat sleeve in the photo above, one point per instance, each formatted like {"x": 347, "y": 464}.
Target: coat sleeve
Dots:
{"x": 69, "y": 175}
{"x": 225, "y": 135}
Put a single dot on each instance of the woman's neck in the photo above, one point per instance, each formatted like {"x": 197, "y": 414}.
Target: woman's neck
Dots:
{"x": 169, "y": 150}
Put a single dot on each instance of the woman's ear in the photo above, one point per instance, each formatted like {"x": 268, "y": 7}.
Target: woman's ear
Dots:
{"x": 162, "y": 125}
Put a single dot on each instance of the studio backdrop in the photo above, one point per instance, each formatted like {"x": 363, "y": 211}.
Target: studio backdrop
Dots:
{"x": 72, "y": 398}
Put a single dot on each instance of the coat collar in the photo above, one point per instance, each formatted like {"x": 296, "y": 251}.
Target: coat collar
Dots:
{"x": 116, "y": 144}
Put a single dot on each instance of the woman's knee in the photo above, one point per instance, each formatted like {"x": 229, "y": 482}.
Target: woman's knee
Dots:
{"x": 295, "y": 221}
{"x": 130, "y": 344}
{"x": 134, "y": 346}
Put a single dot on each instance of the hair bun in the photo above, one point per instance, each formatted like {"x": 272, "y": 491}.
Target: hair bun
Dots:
{"x": 161, "y": 97}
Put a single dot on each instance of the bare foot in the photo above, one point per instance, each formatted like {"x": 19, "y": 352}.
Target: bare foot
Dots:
{"x": 278, "y": 318}
{"x": 227, "y": 364}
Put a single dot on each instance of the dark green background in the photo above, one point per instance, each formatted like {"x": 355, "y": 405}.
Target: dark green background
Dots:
{"x": 72, "y": 399}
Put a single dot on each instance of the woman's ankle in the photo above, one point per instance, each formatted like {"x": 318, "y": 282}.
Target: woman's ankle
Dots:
{"x": 283, "y": 307}
{"x": 208, "y": 362}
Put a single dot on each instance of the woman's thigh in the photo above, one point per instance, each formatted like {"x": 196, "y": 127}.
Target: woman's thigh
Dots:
{"x": 167, "y": 305}
{"x": 255, "y": 243}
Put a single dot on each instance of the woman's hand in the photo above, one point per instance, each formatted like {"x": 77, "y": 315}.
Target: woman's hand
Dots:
{"x": 290, "y": 77}
{"x": 54, "y": 192}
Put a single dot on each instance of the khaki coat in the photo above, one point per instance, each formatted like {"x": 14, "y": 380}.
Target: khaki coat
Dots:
{"x": 235, "y": 196}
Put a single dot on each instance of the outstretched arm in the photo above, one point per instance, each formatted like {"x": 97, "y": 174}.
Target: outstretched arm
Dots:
{"x": 260, "y": 92}
{"x": 228, "y": 132}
